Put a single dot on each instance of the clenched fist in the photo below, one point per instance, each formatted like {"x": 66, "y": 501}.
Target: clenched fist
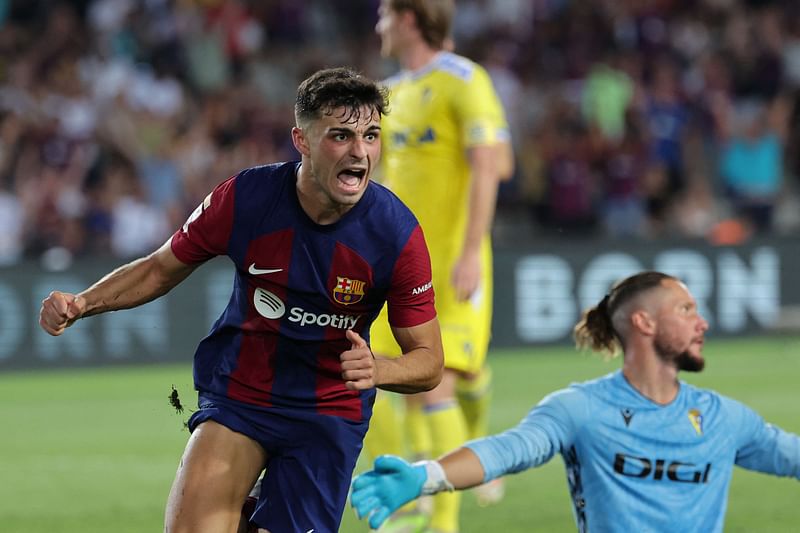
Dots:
{"x": 59, "y": 311}
{"x": 358, "y": 364}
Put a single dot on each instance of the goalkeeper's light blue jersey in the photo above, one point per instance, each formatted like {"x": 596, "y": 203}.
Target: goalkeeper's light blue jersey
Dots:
{"x": 634, "y": 465}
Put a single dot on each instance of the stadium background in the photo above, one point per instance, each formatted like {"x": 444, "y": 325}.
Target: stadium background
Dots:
{"x": 648, "y": 134}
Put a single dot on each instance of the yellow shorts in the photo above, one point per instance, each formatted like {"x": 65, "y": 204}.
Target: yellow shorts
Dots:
{"x": 466, "y": 326}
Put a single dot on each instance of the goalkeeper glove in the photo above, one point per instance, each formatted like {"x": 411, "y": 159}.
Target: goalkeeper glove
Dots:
{"x": 391, "y": 484}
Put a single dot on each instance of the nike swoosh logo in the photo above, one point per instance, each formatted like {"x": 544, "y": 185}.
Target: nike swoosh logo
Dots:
{"x": 258, "y": 271}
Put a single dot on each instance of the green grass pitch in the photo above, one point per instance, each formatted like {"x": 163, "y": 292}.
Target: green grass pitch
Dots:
{"x": 94, "y": 451}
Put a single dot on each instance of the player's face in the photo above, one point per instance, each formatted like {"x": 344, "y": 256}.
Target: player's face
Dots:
{"x": 342, "y": 153}
{"x": 681, "y": 328}
{"x": 388, "y": 28}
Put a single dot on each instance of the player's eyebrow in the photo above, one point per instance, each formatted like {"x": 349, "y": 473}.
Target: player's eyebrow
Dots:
{"x": 343, "y": 129}
{"x": 339, "y": 129}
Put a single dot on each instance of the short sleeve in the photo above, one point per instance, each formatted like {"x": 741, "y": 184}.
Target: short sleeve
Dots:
{"x": 207, "y": 231}
{"x": 480, "y": 112}
{"x": 410, "y": 299}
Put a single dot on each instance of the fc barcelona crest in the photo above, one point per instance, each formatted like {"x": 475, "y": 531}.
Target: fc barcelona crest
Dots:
{"x": 348, "y": 291}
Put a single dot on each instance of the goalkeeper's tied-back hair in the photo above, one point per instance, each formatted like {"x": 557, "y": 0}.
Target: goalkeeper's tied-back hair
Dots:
{"x": 595, "y": 330}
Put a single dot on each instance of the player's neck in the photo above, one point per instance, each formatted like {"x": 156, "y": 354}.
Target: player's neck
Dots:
{"x": 653, "y": 378}
{"x": 319, "y": 208}
{"x": 417, "y": 56}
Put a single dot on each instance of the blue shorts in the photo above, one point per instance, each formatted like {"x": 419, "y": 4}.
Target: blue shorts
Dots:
{"x": 310, "y": 465}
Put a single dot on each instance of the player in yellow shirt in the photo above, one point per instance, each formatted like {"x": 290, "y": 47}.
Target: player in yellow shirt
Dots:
{"x": 445, "y": 149}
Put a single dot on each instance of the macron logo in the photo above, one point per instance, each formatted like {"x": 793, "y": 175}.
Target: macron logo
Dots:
{"x": 259, "y": 271}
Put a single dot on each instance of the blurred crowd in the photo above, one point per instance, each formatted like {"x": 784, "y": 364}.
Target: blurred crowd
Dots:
{"x": 630, "y": 118}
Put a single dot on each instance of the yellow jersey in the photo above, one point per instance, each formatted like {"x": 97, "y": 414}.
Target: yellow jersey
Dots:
{"x": 435, "y": 114}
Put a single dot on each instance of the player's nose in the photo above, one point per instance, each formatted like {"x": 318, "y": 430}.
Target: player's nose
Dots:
{"x": 358, "y": 149}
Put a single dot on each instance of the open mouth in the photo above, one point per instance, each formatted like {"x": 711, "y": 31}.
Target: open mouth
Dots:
{"x": 351, "y": 178}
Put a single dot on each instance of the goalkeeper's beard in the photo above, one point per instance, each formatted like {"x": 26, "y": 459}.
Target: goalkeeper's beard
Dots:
{"x": 690, "y": 363}
{"x": 682, "y": 359}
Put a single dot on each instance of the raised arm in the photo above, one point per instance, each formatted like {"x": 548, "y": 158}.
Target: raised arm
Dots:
{"x": 130, "y": 285}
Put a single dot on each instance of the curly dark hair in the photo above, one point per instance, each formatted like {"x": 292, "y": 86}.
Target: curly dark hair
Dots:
{"x": 330, "y": 89}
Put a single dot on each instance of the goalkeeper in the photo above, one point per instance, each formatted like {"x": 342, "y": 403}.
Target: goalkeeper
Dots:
{"x": 643, "y": 450}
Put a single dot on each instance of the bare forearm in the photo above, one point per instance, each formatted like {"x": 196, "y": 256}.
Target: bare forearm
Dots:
{"x": 420, "y": 367}
{"x": 462, "y": 468}
{"x": 135, "y": 283}
{"x": 417, "y": 371}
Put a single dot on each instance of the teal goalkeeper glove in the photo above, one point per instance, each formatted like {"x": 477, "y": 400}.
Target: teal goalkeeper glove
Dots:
{"x": 392, "y": 483}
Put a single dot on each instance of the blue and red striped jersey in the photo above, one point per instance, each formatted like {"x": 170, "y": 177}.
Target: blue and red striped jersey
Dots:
{"x": 299, "y": 286}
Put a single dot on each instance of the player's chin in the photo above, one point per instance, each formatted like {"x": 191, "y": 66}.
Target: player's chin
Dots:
{"x": 349, "y": 197}
{"x": 691, "y": 360}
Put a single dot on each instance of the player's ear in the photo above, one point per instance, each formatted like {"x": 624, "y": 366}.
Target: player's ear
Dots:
{"x": 643, "y": 322}
{"x": 408, "y": 18}
{"x": 300, "y": 141}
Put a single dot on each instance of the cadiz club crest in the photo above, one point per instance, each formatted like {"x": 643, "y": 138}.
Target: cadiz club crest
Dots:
{"x": 348, "y": 291}
{"x": 697, "y": 420}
